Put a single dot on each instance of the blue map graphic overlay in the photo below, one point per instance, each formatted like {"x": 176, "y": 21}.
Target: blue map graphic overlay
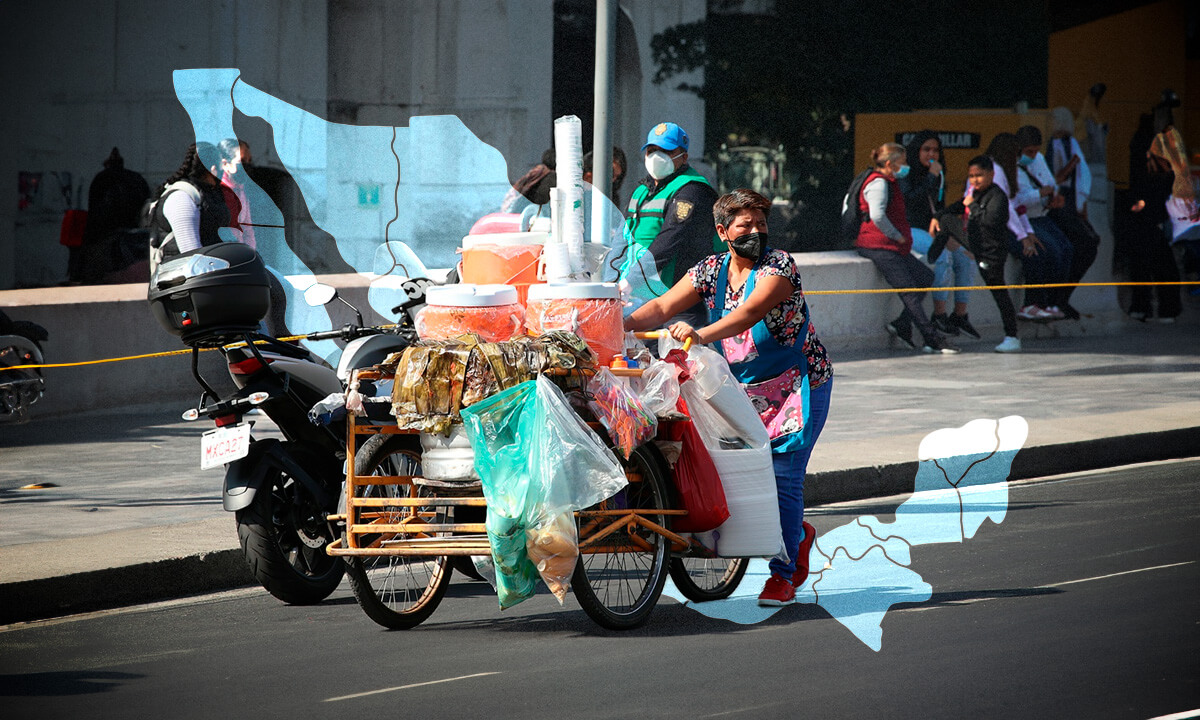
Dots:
{"x": 861, "y": 569}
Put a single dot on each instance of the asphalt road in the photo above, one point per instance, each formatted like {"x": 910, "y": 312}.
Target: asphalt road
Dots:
{"x": 1083, "y": 603}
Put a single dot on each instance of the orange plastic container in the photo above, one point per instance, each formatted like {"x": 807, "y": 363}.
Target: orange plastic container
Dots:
{"x": 590, "y": 310}
{"x": 504, "y": 259}
{"x": 490, "y": 311}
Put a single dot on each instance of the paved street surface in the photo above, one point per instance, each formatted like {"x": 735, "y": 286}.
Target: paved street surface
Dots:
{"x": 1081, "y": 604}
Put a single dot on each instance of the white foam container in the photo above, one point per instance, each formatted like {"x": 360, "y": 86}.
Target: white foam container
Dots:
{"x": 753, "y": 529}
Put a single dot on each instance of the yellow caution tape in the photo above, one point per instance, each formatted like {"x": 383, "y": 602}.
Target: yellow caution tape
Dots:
{"x": 864, "y": 291}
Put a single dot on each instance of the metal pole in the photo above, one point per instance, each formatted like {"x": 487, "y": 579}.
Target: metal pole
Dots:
{"x": 606, "y": 43}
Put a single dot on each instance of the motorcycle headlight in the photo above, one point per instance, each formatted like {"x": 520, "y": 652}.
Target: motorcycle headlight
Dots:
{"x": 180, "y": 270}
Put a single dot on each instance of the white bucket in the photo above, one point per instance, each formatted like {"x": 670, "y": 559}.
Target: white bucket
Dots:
{"x": 448, "y": 458}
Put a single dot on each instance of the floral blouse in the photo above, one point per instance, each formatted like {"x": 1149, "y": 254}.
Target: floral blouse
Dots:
{"x": 786, "y": 321}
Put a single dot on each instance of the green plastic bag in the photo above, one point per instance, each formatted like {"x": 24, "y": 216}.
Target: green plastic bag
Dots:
{"x": 499, "y": 428}
{"x": 537, "y": 461}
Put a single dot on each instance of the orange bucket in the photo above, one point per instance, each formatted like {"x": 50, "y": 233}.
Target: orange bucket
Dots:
{"x": 590, "y": 310}
{"x": 490, "y": 311}
{"x": 503, "y": 259}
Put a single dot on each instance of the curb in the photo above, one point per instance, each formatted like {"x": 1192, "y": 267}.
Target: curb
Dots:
{"x": 123, "y": 586}
{"x": 226, "y": 569}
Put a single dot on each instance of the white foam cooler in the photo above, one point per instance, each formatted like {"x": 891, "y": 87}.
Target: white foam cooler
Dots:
{"x": 752, "y": 530}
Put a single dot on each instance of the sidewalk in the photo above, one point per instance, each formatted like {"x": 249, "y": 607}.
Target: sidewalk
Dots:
{"x": 133, "y": 519}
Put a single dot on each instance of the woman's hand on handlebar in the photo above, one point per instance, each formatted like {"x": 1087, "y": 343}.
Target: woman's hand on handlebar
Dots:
{"x": 681, "y": 331}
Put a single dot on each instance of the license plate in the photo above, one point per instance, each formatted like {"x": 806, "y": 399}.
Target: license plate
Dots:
{"x": 224, "y": 445}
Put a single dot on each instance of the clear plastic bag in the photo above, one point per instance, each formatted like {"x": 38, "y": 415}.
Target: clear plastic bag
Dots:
{"x": 628, "y": 421}
{"x": 718, "y": 404}
{"x": 538, "y": 461}
{"x": 660, "y": 388}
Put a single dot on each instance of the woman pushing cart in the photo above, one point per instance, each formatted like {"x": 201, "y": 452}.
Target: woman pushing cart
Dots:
{"x": 757, "y": 312}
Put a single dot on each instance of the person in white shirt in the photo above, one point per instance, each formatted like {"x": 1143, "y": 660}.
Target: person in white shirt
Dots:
{"x": 1074, "y": 181}
{"x": 1037, "y": 194}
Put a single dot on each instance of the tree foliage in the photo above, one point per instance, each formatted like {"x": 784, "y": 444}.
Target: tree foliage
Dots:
{"x": 798, "y": 75}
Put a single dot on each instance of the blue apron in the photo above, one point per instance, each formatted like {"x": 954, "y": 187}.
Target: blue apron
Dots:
{"x": 770, "y": 372}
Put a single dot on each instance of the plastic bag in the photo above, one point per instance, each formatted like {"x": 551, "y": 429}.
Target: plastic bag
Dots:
{"x": 331, "y": 409}
{"x": 537, "y": 461}
{"x": 697, "y": 482}
{"x": 499, "y": 428}
{"x": 660, "y": 388}
{"x": 553, "y": 547}
{"x": 739, "y": 445}
{"x": 628, "y": 421}
{"x": 718, "y": 404}
{"x": 753, "y": 528}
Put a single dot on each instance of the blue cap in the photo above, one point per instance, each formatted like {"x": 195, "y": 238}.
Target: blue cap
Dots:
{"x": 667, "y": 136}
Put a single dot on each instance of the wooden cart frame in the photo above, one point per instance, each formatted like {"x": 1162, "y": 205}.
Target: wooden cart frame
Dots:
{"x": 402, "y": 535}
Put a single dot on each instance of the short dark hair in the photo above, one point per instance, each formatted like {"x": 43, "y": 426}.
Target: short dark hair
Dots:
{"x": 730, "y": 204}
{"x": 1029, "y": 135}
{"x": 982, "y": 162}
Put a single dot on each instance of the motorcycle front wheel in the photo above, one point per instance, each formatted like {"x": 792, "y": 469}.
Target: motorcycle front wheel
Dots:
{"x": 284, "y": 534}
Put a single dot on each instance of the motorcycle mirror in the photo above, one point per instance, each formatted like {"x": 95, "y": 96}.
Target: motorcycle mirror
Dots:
{"x": 319, "y": 294}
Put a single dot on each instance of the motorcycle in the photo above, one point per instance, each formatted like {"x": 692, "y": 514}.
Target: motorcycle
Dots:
{"x": 20, "y": 344}
{"x": 280, "y": 491}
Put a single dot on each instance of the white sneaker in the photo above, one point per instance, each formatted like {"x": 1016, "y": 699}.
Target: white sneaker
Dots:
{"x": 1055, "y": 313}
{"x": 1037, "y": 314}
{"x": 1009, "y": 345}
{"x": 1166, "y": 320}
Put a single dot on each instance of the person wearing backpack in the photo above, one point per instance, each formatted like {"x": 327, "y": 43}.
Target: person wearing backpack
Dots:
{"x": 190, "y": 208}
{"x": 884, "y": 238}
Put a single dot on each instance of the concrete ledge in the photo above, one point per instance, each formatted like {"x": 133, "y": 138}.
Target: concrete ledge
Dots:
{"x": 95, "y": 322}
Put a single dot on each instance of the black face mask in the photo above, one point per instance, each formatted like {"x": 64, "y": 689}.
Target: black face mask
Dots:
{"x": 749, "y": 246}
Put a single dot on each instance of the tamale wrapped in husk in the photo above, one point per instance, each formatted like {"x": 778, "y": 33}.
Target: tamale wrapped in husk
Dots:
{"x": 435, "y": 379}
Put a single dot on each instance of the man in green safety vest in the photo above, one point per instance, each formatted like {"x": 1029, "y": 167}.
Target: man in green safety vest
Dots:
{"x": 669, "y": 223}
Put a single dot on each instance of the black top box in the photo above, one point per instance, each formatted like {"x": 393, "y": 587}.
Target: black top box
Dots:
{"x": 211, "y": 296}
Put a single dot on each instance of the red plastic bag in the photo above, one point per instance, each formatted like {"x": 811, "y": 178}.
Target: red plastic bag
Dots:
{"x": 71, "y": 232}
{"x": 696, "y": 480}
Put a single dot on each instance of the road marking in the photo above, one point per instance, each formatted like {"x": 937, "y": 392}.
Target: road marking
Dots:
{"x": 1111, "y": 575}
{"x": 407, "y": 687}
{"x": 739, "y": 711}
{"x": 972, "y": 601}
{"x": 1179, "y": 715}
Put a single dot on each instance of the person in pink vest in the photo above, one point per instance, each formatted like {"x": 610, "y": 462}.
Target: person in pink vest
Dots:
{"x": 885, "y": 239}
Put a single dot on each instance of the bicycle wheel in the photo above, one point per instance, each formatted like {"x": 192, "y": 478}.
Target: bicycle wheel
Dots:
{"x": 620, "y": 581}
{"x": 704, "y": 579}
{"x": 397, "y": 592}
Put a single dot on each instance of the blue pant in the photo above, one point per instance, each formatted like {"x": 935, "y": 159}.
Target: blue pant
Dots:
{"x": 789, "y": 480}
{"x": 1052, "y": 264}
{"x": 957, "y": 264}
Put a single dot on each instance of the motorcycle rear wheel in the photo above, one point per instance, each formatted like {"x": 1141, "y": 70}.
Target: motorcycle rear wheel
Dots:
{"x": 283, "y": 533}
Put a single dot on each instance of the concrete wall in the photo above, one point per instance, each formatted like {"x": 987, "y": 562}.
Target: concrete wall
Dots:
{"x": 87, "y": 75}
{"x": 82, "y": 76}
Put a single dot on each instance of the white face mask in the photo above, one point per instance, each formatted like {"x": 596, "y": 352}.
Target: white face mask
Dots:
{"x": 659, "y": 165}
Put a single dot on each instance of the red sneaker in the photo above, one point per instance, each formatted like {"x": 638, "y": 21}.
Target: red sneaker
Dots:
{"x": 810, "y": 536}
{"x": 777, "y": 592}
